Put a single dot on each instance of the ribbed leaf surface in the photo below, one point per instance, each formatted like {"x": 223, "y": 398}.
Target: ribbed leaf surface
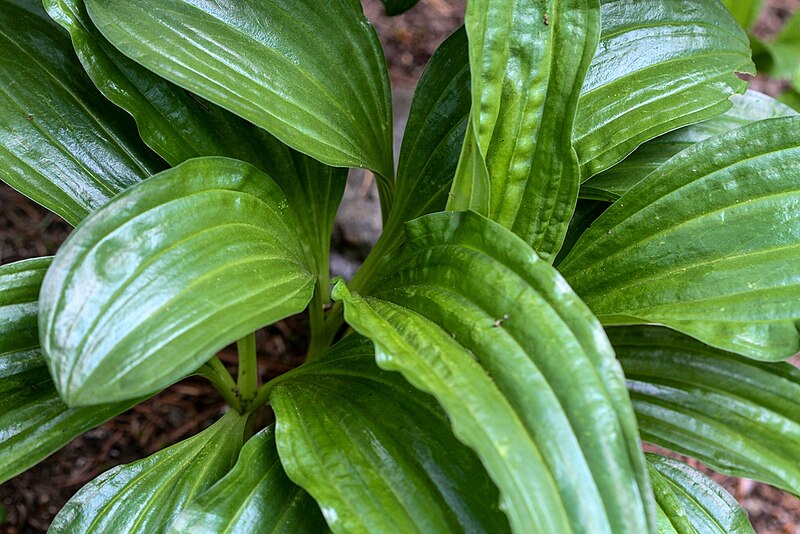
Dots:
{"x": 736, "y": 415}
{"x": 147, "y": 495}
{"x": 467, "y": 312}
{"x": 151, "y": 286}
{"x": 706, "y": 244}
{"x": 61, "y": 143}
{"x": 376, "y": 454}
{"x": 255, "y": 496}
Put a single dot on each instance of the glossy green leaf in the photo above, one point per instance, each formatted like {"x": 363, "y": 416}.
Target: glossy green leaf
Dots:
{"x": 376, "y": 454}
{"x": 61, "y": 143}
{"x": 278, "y": 64}
{"x": 173, "y": 270}
{"x": 395, "y": 7}
{"x": 747, "y": 108}
{"x": 34, "y": 422}
{"x": 744, "y": 11}
{"x": 660, "y": 65}
{"x": 255, "y": 496}
{"x": 528, "y": 59}
{"x": 706, "y": 245}
{"x": 147, "y": 495}
{"x": 738, "y": 416}
{"x": 692, "y": 503}
{"x": 466, "y": 311}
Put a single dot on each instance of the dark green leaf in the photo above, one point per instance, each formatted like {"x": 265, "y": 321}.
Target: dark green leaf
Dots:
{"x": 255, "y": 496}
{"x": 791, "y": 98}
{"x": 376, "y": 454}
{"x": 744, "y": 11}
{"x": 395, "y": 7}
{"x": 660, "y": 65}
{"x": 61, "y": 143}
{"x": 147, "y": 495}
{"x": 692, "y": 503}
{"x": 586, "y": 212}
{"x": 528, "y": 61}
{"x": 156, "y": 282}
{"x": 706, "y": 244}
{"x": 736, "y": 415}
{"x": 466, "y": 311}
{"x": 747, "y": 108}
{"x": 279, "y": 64}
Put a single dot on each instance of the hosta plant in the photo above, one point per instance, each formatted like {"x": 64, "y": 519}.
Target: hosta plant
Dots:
{"x": 590, "y": 239}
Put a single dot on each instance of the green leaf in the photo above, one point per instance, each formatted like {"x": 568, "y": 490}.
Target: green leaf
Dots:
{"x": 377, "y": 455}
{"x": 744, "y": 11}
{"x": 706, "y": 245}
{"x": 738, "y": 416}
{"x": 147, "y": 495}
{"x": 278, "y": 64}
{"x": 692, "y": 503}
{"x": 466, "y": 311}
{"x": 586, "y": 212}
{"x": 255, "y": 496}
{"x": 61, "y": 143}
{"x": 395, "y": 7}
{"x": 747, "y": 108}
{"x": 791, "y": 98}
{"x": 660, "y": 65}
{"x": 528, "y": 60}
{"x": 34, "y": 422}
{"x": 153, "y": 284}
{"x": 783, "y": 51}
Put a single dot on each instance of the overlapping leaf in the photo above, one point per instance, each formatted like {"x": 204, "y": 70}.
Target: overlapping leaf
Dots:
{"x": 61, "y": 143}
{"x": 736, "y": 415}
{"x": 377, "y": 455}
{"x": 147, "y": 495}
{"x": 706, "y": 244}
{"x": 660, "y": 65}
{"x": 149, "y": 287}
{"x": 467, "y": 312}
{"x": 691, "y": 503}
{"x": 255, "y": 496}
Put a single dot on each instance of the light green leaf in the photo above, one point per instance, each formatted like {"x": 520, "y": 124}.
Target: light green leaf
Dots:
{"x": 528, "y": 60}
{"x": 744, "y": 11}
{"x": 147, "y": 495}
{"x": 738, "y": 416}
{"x": 152, "y": 285}
{"x": 34, "y": 422}
{"x": 278, "y": 64}
{"x": 255, "y": 496}
{"x": 706, "y": 245}
{"x": 466, "y": 311}
{"x": 61, "y": 143}
{"x": 660, "y": 65}
{"x": 690, "y": 502}
{"x": 376, "y": 454}
{"x": 747, "y": 108}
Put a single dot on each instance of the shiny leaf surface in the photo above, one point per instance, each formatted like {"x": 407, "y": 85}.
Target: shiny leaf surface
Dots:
{"x": 255, "y": 496}
{"x": 175, "y": 269}
{"x": 146, "y": 496}
{"x": 706, "y": 245}
{"x": 376, "y": 454}
{"x": 736, "y": 415}
{"x": 528, "y": 60}
{"x": 277, "y": 64}
{"x": 466, "y": 311}
{"x": 637, "y": 90}
{"x": 61, "y": 143}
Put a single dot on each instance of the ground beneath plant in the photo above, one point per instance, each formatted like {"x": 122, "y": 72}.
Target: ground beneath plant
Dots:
{"x": 30, "y": 501}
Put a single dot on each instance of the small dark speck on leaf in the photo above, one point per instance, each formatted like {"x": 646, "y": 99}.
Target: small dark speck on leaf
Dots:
{"x": 30, "y": 117}
{"x": 546, "y": 20}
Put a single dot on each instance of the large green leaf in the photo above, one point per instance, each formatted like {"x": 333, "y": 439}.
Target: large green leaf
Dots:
{"x": 147, "y": 495}
{"x": 737, "y": 415}
{"x": 255, "y": 496}
{"x": 706, "y": 245}
{"x": 660, "y": 65}
{"x": 744, "y": 11}
{"x": 153, "y": 284}
{"x": 61, "y": 143}
{"x": 528, "y": 59}
{"x": 377, "y": 455}
{"x": 466, "y": 311}
{"x": 691, "y": 503}
{"x": 747, "y": 108}
{"x": 34, "y": 422}
{"x": 311, "y": 73}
